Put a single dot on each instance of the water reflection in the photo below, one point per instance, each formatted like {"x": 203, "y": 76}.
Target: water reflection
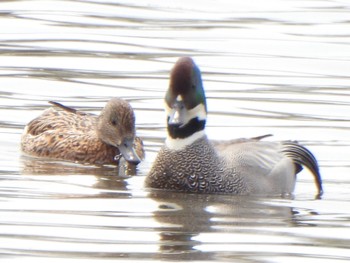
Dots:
{"x": 207, "y": 227}
{"x": 196, "y": 216}
{"x": 43, "y": 166}
{"x": 273, "y": 66}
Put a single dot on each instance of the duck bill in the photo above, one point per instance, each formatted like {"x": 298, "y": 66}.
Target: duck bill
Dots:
{"x": 127, "y": 150}
{"x": 177, "y": 114}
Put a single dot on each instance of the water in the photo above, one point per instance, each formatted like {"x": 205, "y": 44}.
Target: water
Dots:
{"x": 273, "y": 66}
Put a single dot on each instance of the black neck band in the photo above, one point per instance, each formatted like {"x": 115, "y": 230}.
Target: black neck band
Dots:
{"x": 193, "y": 126}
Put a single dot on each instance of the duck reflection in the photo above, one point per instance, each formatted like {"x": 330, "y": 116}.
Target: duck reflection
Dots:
{"x": 109, "y": 178}
{"x": 38, "y": 166}
{"x": 194, "y": 214}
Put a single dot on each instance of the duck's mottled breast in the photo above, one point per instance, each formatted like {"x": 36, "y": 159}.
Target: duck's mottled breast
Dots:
{"x": 197, "y": 168}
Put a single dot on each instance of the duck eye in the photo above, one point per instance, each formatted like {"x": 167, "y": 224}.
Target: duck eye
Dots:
{"x": 114, "y": 122}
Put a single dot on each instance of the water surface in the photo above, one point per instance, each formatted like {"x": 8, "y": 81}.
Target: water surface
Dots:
{"x": 278, "y": 66}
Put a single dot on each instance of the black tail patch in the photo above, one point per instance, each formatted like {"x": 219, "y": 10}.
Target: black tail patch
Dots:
{"x": 302, "y": 156}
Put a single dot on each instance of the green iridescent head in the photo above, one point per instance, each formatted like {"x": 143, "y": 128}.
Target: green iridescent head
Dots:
{"x": 186, "y": 85}
{"x": 185, "y": 100}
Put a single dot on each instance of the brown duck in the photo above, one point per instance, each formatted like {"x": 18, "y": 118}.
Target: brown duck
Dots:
{"x": 68, "y": 134}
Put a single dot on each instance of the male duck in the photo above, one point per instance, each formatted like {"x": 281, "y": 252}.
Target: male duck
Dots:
{"x": 72, "y": 135}
{"x": 190, "y": 162}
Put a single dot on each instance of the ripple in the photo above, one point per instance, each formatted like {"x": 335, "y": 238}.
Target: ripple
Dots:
{"x": 280, "y": 67}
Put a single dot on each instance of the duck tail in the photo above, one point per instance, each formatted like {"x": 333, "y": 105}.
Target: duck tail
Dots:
{"x": 303, "y": 157}
{"x": 66, "y": 108}
{"x": 258, "y": 138}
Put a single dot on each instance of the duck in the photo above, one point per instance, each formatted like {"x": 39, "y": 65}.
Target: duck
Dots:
{"x": 190, "y": 162}
{"x": 64, "y": 133}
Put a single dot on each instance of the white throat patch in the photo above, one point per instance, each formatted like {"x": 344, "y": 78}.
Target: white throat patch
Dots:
{"x": 179, "y": 144}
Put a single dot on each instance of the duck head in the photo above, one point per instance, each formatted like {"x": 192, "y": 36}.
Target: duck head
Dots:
{"x": 185, "y": 101}
{"x": 116, "y": 127}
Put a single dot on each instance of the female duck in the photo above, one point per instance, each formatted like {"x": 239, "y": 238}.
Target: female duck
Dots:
{"x": 72, "y": 135}
{"x": 190, "y": 162}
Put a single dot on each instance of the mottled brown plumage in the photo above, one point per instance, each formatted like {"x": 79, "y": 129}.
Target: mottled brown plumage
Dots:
{"x": 68, "y": 134}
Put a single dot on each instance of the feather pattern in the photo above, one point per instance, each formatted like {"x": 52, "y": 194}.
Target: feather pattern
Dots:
{"x": 303, "y": 157}
{"x": 68, "y": 134}
{"x": 189, "y": 162}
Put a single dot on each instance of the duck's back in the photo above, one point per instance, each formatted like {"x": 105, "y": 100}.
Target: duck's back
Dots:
{"x": 261, "y": 164}
{"x": 52, "y": 119}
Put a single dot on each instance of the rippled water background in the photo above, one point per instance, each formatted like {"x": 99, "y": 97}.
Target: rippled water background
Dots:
{"x": 274, "y": 66}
